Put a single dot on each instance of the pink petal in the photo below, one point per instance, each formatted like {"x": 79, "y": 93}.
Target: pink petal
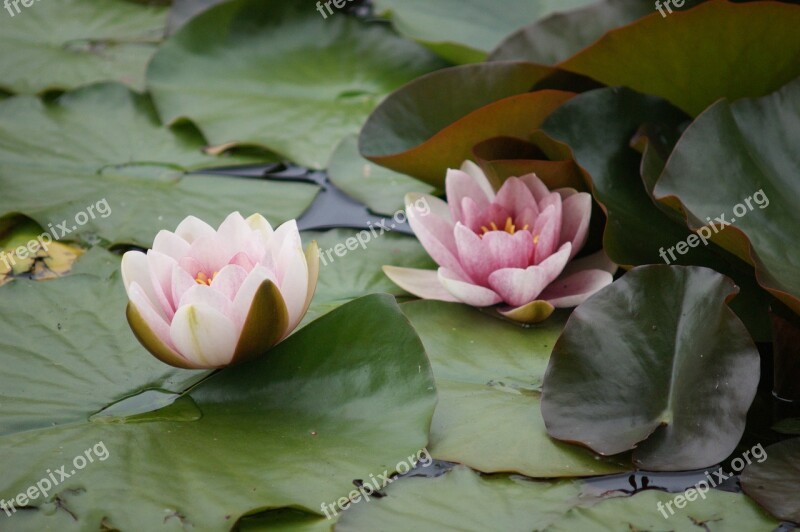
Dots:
{"x": 505, "y": 250}
{"x": 191, "y": 228}
{"x": 479, "y": 176}
{"x": 293, "y": 281}
{"x": 596, "y": 261}
{"x": 435, "y": 233}
{"x": 201, "y": 294}
{"x": 546, "y": 232}
{"x": 473, "y": 255}
{"x": 536, "y": 186}
{"x": 228, "y": 280}
{"x": 471, "y": 294}
{"x": 204, "y": 335}
{"x": 170, "y": 244}
{"x": 136, "y": 269}
{"x": 574, "y": 289}
{"x": 421, "y": 283}
{"x": 473, "y": 216}
{"x": 460, "y": 185}
{"x": 161, "y": 267}
{"x": 149, "y": 314}
{"x": 515, "y": 197}
{"x": 519, "y": 286}
{"x": 181, "y": 282}
{"x": 577, "y": 210}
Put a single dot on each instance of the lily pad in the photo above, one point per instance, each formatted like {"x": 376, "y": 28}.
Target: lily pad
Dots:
{"x": 99, "y": 156}
{"x": 557, "y": 37}
{"x": 349, "y": 395}
{"x": 64, "y": 44}
{"x": 746, "y": 173}
{"x": 376, "y": 187}
{"x": 463, "y": 500}
{"x": 489, "y": 376}
{"x": 430, "y": 116}
{"x": 464, "y": 31}
{"x": 692, "y": 58}
{"x": 82, "y": 361}
{"x": 240, "y": 73}
{"x": 775, "y": 482}
{"x": 658, "y": 363}
{"x": 598, "y": 127}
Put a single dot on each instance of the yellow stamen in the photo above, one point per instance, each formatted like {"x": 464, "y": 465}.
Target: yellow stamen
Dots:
{"x": 484, "y": 229}
{"x": 509, "y": 228}
{"x": 494, "y": 226}
{"x": 202, "y": 278}
{"x": 535, "y": 239}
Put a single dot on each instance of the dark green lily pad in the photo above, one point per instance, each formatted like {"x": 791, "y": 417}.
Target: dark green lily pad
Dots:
{"x": 658, "y": 363}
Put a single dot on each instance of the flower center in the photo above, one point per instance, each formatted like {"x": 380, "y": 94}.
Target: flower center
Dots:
{"x": 202, "y": 278}
{"x": 509, "y": 228}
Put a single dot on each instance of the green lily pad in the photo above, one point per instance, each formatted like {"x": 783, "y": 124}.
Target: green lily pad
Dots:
{"x": 692, "y": 58}
{"x": 464, "y": 31}
{"x": 463, "y": 500}
{"x": 64, "y": 44}
{"x": 489, "y": 376}
{"x": 82, "y": 360}
{"x": 376, "y": 187}
{"x": 774, "y": 482}
{"x": 557, "y": 37}
{"x": 98, "y": 155}
{"x": 752, "y": 150}
{"x": 598, "y": 128}
{"x": 357, "y": 271}
{"x": 658, "y": 363}
{"x": 426, "y": 117}
{"x": 349, "y": 395}
{"x": 242, "y": 75}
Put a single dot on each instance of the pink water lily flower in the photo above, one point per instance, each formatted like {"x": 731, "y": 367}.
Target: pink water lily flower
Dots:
{"x": 206, "y": 298}
{"x": 510, "y": 247}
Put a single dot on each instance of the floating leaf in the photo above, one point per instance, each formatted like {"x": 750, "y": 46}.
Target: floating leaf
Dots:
{"x": 747, "y": 172}
{"x": 432, "y": 113}
{"x": 99, "y": 156}
{"x": 376, "y": 187}
{"x": 559, "y": 36}
{"x": 349, "y": 395}
{"x": 463, "y": 500}
{"x": 775, "y": 482}
{"x": 489, "y": 375}
{"x": 61, "y": 45}
{"x": 692, "y": 58}
{"x": 463, "y": 31}
{"x": 658, "y": 363}
{"x": 598, "y": 127}
{"x": 240, "y": 73}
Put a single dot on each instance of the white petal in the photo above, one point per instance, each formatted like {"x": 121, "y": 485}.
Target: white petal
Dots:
{"x": 191, "y": 228}
{"x": 169, "y": 244}
{"x": 204, "y": 335}
{"x": 136, "y": 269}
{"x": 421, "y": 283}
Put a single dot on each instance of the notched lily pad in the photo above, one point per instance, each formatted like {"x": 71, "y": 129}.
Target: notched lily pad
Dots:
{"x": 656, "y": 362}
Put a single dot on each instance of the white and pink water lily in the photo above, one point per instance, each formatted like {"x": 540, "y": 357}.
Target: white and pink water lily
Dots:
{"x": 512, "y": 247}
{"x": 206, "y": 298}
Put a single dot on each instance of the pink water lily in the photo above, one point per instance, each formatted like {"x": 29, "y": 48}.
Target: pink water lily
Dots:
{"x": 206, "y": 298}
{"x": 513, "y": 247}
